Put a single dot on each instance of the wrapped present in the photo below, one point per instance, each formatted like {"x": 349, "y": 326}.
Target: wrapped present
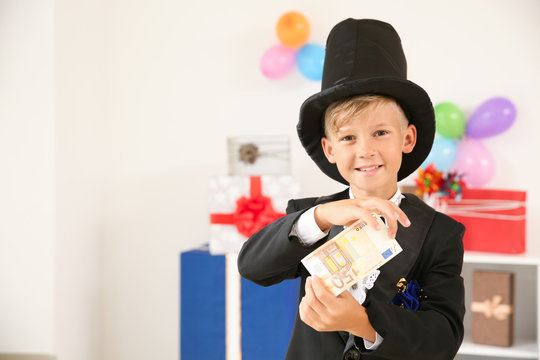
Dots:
{"x": 492, "y": 308}
{"x": 225, "y": 317}
{"x": 494, "y": 219}
{"x": 260, "y": 155}
{"x": 242, "y": 205}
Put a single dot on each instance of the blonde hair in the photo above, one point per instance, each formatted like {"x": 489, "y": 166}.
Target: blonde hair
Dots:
{"x": 340, "y": 112}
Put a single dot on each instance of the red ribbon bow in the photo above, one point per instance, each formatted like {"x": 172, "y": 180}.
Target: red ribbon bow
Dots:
{"x": 251, "y": 214}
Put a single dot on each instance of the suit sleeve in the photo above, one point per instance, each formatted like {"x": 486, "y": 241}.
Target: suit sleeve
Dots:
{"x": 435, "y": 331}
{"x": 271, "y": 255}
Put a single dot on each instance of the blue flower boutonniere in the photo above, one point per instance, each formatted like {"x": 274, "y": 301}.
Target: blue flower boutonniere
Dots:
{"x": 409, "y": 295}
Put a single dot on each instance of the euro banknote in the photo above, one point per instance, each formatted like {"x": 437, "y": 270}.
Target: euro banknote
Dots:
{"x": 351, "y": 255}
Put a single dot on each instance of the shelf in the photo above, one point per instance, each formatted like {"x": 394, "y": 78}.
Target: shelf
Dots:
{"x": 494, "y": 258}
{"x": 520, "y": 350}
{"x": 527, "y": 270}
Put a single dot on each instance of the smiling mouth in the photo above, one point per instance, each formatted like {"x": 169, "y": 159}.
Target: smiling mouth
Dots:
{"x": 368, "y": 168}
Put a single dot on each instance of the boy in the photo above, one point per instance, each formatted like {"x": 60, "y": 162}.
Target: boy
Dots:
{"x": 368, "y": 128}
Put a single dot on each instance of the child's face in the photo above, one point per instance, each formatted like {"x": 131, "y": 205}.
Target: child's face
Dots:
{"x": 368, "y": 150}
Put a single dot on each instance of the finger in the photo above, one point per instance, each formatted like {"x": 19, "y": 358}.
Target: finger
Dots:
{"x": 307, "y": 315}
{"x": 390, "y": 210}
{"x": 404, "y": 220}
{"x": 366, "y": 216}
{"x": 390, "y": 223}
{"x": 376, "y": 206}
{"x": 345, "y": 296}
{"x": 392, "y": 227}
{"x": 325, "y": 296}
{"x": 400, "y": 216}
{"x": 387, "y": 209}
{"x": 311, "y": 298}
{"x": 304, "y": 311}
{"x": 392, "y": 214}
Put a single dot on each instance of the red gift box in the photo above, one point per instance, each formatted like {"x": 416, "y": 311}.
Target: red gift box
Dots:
{"x": 494, "y": 219}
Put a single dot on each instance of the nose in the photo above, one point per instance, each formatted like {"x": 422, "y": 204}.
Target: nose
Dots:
{"x": 364, "y": 147}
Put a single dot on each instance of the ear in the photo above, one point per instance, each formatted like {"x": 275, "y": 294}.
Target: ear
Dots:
{"x": 409, "y": 139}
{"x": 328, "y": 149}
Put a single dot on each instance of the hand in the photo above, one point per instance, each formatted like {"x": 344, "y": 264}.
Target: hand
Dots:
{"x": 324, "y": 311}
{"x": 345, "y": 212}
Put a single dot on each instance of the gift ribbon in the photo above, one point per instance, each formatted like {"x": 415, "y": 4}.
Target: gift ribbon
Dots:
{"x": 482, "y": 209}
{"x": 492, "y": 308}
{"x": 251, "y": 214}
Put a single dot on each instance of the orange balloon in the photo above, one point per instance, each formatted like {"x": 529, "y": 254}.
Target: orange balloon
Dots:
{"x": 293, "y": 29}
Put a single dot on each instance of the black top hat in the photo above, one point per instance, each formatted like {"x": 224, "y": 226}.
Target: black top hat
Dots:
{"x": 365, "y": 57}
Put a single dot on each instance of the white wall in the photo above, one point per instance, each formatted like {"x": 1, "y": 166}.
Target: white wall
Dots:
{"x": 81, "y": 90}
{"x": 147, "y": 93}
{"x": 52, "y": 100}
{"x": 27, "y": 196}
{"x": 183, "y": 78}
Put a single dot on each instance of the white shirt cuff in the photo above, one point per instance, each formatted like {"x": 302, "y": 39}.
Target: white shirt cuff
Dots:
{"x": 373, "y": 345}
{"x": 306, "y": 228}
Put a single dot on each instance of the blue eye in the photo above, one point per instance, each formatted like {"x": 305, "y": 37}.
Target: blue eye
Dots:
{"x": 347, "y": 138}
{"x": 381, "y": 132}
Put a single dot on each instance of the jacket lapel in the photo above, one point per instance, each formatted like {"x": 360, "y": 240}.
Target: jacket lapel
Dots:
{"x": 334, "y": 230}
{"x": 411, "y": 240}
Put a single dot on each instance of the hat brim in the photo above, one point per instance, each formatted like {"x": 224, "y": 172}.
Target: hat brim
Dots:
{"x": 411, "y": 97}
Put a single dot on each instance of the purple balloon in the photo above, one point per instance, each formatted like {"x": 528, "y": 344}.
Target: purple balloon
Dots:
{"x": 492, "y": 117}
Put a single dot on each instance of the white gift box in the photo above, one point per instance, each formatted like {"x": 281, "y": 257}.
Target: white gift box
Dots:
{"x": 259, "y": 155}
{"x": 241, "y": 205}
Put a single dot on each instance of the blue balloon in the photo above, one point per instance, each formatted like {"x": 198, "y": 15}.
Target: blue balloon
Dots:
{"x": 310, "y": 61}
{"x": 443, "y": 153}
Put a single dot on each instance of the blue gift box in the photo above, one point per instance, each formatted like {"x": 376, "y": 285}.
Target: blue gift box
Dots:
{"x": 267, "y": 313}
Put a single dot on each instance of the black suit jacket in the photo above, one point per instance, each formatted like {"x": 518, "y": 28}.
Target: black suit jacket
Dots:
{"x": 432, "y": 254}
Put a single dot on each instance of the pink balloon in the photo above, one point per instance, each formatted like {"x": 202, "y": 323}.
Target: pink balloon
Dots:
{"x": 277, "y": 61}
{"x": 475, "y": 162}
